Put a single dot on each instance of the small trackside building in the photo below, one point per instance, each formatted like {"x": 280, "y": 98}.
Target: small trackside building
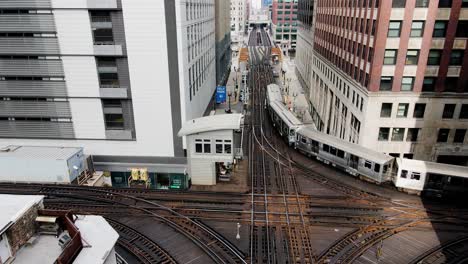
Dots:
{"x": 37, "y": 164}
{"x": 213, "y": 145}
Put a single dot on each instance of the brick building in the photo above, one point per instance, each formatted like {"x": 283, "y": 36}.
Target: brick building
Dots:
{"x": 284, "y": 23}
{"x": 393, "y": 76}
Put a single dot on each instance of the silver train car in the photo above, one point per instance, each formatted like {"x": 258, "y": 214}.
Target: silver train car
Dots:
{"x": 349, "y": 157}
{"x": 412, "y": 176}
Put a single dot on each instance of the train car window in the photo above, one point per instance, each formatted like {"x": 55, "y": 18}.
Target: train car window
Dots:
{"x": 385, "y": 168}
{"x": 340, "y": 154}
{"x": 416, "y": 176}
{"x": 326, "y": 148}
{"x": 404, "y": 174}
{"x": 304, "y": 140}
{"x": 368, "y": 164}
{"x": 377, "y": 167}
{"x": 333, "y": 150}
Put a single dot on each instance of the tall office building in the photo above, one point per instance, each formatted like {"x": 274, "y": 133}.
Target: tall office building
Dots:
{"x": 115, "y": 77}
{"x": 239, "y": 16}
{"x": 304, "y": 51}
{"x": 284, "y": 23}
{"x": 393, "y": 76}
{"x": 223, "y": 40}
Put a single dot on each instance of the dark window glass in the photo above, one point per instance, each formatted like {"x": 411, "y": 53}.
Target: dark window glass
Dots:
{"x": 442, "y": 136}
{"x": 419, "y": 110}
{"x": 422, "y": 3}
{"x": 111, "y": 103}
{"x": 451, "y": 84}
{"x": 445, "y": 3}
{"x": 464, "y": 3}
{"x": 114, "y": 121}
{"x": 399, "y": 3}
{"x": 402, "y": 110}
{"x": 449, "y": 110}
{"x": 408, "y": 155}
{"x": 412, "y": 57}
{"x": 207, "y": 148}
{"x": 434, "y": 57}
{"x": 464, "y": 111}
{"x": 440, "y": 29}
{"x": 199, "y": 148}
{"x": 398, "y": 133}
{"x": 103, "y": 36}
{"x": 456, "y": 57}
{"x": 462, "y": 31}
{"x": 386, "y": 83}
{"x": 377, "y": 167}
{"x": 368, "y": 164}
{"x": 429, "y": 84}
{"x": 109, "y": 80}
{"x": 384, "y": 133}
{"x": 459, "y": 136}
{"x": 386, "y": 110}
{"x": 412, "y": 134}
{"x": 404, "y": 174}
{"x": 219, "y": 148}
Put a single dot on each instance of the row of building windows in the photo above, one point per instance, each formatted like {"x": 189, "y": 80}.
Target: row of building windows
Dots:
{"x": 199, "y": 37}
{"x": 420, "y": 109}
{"x": 398, "y": 134}
{"x": 36, "y": 119}
{"x": 31, "y": 78}
{"x": 429, "y": 84}
{"x": 395, "y": 3}
{"x": 220, "y": 146}
{"x": 417, "y": 29}
{"x": 425, "y": 3}
{"x": 196, "y": 9}
{"x": 434, "y": 57}
{"x": 200, "y": 70}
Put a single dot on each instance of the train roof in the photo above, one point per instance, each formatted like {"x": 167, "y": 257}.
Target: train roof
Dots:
{"x": 310, "y": 132}
{"x": 283, "y": 112}
{"x": 433, "y": 167}
{"x": 274, "y": 93}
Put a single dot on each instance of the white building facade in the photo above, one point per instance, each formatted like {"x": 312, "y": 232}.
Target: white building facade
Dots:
{"x": 116, "y": 77}
{"x": 239, "y": 18}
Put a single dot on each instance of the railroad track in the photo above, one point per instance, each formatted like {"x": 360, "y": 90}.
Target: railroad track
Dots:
{"x": 455, "y": 251}
{"x": 143, "y": 248}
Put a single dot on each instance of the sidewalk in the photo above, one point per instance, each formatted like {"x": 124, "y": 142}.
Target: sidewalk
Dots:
{"x": 294, "y": 95}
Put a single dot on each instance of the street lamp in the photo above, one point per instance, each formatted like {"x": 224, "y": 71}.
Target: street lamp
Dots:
{"x": 238, "y": 234}
{"x": 229, "y": 103}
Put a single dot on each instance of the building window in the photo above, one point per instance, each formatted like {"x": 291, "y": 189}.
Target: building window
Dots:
{"x": 109, "y": 80}
{"x": 402, "y": 110}
{"x": 456, "y": 57}
{"x": 390, "y": 57}
{"x": 442, "y": 136}
{"x": 408, "y": 155}
{"x": 415, "y": 175}
{"x": 386, "y": 110}
{"x": 461, "y": 29}
{"x": 198, "y": 148}
{"x": 445, "y": 3}
{"x": 464, "y": 3}
{"x": 417, "y": 29}
{"x": 464, "y": 111}
{"x": 398, "y": 133}
{"x": 103, "y": 36}
{"x": 449, "y": 110}
{"x": 219, "y": 148}
{"x": 384, "y": 133}
{"x": 440, "y": 29}
{"x": 434, "y": 57}
{"x": 412, "y": 135}
{"x": 207, "y": 148}
{"x": 394, "y": 29}
{"x": 386, "y": 83}
{"x": 422, "y": 3}
{"x": 429, "y": 84}
{"x": 459, "y": 136}
{"x": 399, "y": 3}
{"x": 451, "y": 84}
{"x": 407, "y": 83}
{"x": 404, "y": 174}
{"x": 114, "y": 121}
{"x": 419, "y": 110}
{"x": 412, "y": 57}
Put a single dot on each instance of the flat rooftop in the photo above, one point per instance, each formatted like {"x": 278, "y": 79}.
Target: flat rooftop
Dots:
{"x": 98, "y": 238}
{"x": 38, "y": 152}
{"x": 13, "y": 207}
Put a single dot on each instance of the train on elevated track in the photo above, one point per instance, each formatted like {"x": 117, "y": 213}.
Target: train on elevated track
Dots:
{"x": 413, "y": 176}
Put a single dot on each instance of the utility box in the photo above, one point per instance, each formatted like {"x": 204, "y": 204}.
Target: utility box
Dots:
{"x": 36, "y": 164}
